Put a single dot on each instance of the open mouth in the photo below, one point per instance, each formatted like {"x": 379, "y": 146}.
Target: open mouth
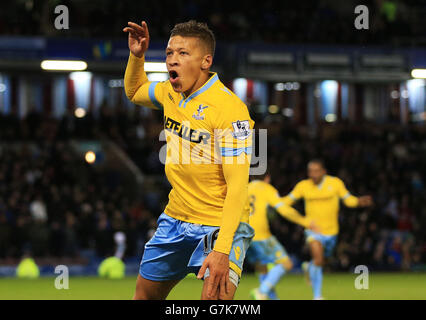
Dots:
{"x": 173, "y": 74}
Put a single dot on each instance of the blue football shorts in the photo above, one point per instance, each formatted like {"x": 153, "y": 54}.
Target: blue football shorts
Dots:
{"x": 266, "y": 251}
{"x": 328, "y": 242}
{"x": 179, "y": 248}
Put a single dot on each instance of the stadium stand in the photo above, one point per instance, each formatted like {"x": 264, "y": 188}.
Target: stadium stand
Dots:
{"x": 60, "y": 209}
{"x": 56, "y": 205}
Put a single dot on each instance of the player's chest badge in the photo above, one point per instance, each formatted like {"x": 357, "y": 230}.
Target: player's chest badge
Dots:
{"x": 198, "y": 113}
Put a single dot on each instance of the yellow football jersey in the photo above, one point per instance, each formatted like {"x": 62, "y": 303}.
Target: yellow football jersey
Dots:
{"x": 209, "y": 126}
{"x": 322, "y": 201}
{"x": 261, "y": 195}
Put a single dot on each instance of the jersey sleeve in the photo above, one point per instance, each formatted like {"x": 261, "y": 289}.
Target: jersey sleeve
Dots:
{"x": 233, "y": 135}
{"x": 294, "y": 195}
{"x": 274, "y": 199}
{"x": 139, "y": 89}
{"x": 343, "y": 193}
{"x": 233, "y": 132}
{"x": 291, "y": 214}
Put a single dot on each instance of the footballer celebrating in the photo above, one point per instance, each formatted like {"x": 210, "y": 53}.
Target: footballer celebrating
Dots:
{"x": 322, "y": 193}
{"x": 204, "y": 228}
{"x": 265, "y": 248}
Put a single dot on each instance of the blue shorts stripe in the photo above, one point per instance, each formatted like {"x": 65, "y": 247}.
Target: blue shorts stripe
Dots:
{"x": 266, "y": 251}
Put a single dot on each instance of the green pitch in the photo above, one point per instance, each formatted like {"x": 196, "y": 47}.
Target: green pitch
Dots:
{"x": 293, "y": 286}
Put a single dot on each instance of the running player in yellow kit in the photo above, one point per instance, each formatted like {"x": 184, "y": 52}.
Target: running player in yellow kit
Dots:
{"x": 204, "y": 228}
{"x": 322, "y": 193}
{"x": 265, "y": 248}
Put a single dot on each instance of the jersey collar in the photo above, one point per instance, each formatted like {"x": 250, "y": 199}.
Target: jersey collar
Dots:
{"x": 213, "y": 78}
{"x": 322, "y": 182}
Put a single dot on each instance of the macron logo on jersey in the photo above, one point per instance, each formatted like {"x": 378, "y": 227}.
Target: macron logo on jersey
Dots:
{"x": 171, "y": 98}
{"x": 241, "y": 129}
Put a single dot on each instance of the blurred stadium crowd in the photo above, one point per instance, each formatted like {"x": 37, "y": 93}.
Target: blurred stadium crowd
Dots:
{"x": 54, "y": 204}
{"x": 392, "y": 22}
{"x": 384, "y": 161}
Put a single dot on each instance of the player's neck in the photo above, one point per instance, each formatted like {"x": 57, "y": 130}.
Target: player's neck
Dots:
{"x": 204, "y": 77}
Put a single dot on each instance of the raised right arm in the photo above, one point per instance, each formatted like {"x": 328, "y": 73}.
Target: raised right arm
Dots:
{"x": 138, "y": 89}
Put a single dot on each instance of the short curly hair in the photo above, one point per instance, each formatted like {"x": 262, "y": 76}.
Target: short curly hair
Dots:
{"x": 198, "y": 30}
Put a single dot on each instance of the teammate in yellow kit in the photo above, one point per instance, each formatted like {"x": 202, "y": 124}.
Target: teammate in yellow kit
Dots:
{"x": 204, "y": 228}
{"x": 265, "y": 248}
{"x": 322, "y": 193}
